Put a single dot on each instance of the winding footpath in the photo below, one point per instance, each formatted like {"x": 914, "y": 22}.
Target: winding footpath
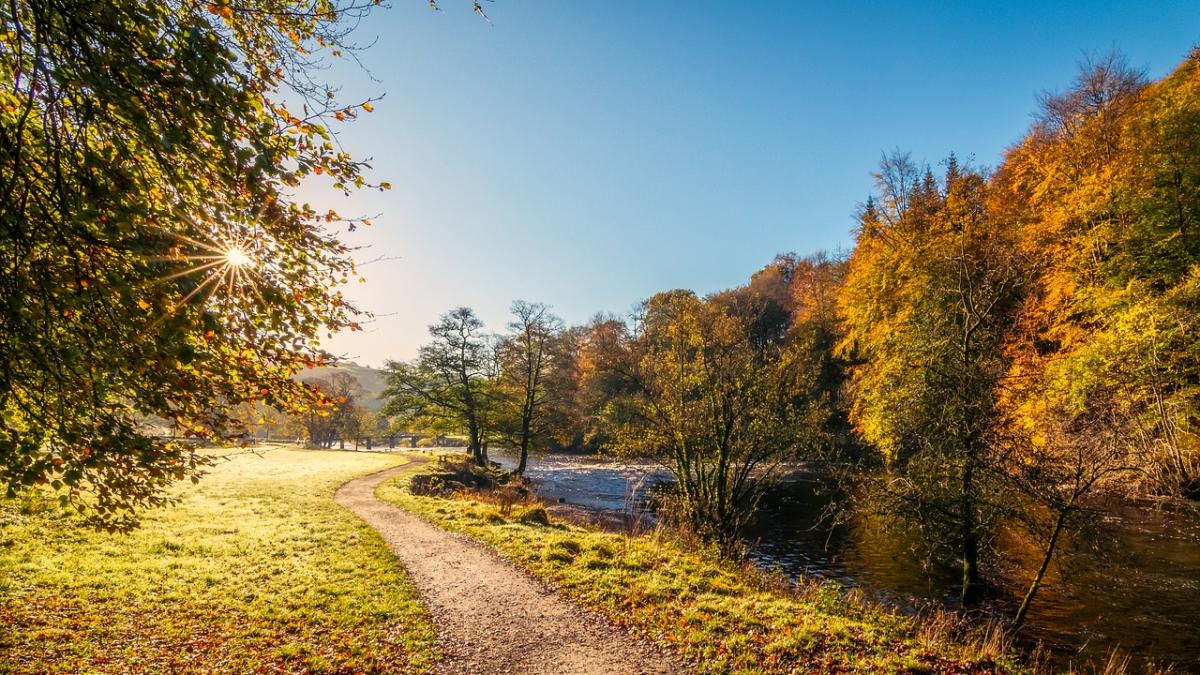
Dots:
{"x": 490, "y": 616}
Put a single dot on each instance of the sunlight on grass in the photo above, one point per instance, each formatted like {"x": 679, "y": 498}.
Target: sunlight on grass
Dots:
{"x": 720, "y": 616}
{"x": 257, "y": 569}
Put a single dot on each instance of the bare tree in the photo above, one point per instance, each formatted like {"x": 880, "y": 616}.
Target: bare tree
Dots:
{"x": 524, "y": 357}
{"x": 1084, "y": 455}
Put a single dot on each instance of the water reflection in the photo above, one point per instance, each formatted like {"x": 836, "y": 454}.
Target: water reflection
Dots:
{"x": 792, "y": 534}
{"x": 1137, "y": 588}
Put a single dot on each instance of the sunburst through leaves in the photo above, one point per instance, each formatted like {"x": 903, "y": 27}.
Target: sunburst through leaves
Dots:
{"x": 229, "y": 265}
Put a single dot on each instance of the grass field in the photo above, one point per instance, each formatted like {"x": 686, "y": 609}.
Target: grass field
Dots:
{"x": 721, "y": 617}
{"x": 256, "y": 570}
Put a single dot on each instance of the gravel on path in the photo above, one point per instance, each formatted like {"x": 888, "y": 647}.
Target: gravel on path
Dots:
{"x": 490, "y": 616}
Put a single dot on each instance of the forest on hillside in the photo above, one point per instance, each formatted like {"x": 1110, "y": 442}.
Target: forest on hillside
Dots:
{"x": 1003, "y": 351}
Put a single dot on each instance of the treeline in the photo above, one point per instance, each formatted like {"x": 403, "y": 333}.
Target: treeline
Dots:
{"x": 1000, "y": 351}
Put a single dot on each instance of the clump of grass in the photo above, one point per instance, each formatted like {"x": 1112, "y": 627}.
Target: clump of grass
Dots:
{"x": 1119, "y": 663}
{"x": 602, "y": 550}
{"x": 462, "y": 478}
{"x": 569, "y": 545}
{"x": 534, "y": 515}
{"x": 1116, "y": 664}
{"x": 723, "y": 617}
{"x": 551, "y": 555}
{"x": 255, "y": 570}
{"x": 990, "y": 643}
{"x": 504, "y": 498}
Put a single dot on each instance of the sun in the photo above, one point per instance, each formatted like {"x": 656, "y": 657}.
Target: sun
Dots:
{"x": 236, "y": 256}
{"x": 230, "y": 269}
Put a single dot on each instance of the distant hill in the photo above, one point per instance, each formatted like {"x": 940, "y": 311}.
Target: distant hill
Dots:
{"x": 372, "y": 380}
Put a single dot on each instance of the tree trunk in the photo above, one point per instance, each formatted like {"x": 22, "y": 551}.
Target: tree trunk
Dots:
{"x": 525, "y": 425}
{"x": 970, "y": 570}
{"x": 1019, "y": 619}
{"x": 524, "y": 459}
{"x": 476, "y": 448}
{"x": 970, "y": 540}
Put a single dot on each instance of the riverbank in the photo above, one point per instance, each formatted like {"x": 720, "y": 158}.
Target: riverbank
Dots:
{"x": 1145, "y": 556}
{"x": 718, "y": 616}
{"x": 491, "y": 617}
{"x": 256, "y": 569}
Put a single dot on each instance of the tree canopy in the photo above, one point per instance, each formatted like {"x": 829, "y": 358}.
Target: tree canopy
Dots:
{"x": 1000, "y": 350}
{"x": 446, "y": 389}
{"x": 157, "y": 268}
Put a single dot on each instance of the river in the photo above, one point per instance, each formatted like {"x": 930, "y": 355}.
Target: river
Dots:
{"x": 1136, "y": 588}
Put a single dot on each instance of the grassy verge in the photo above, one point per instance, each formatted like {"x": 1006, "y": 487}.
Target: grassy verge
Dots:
{"x": 719, "y": 616}
{"x": 256, "y": 570}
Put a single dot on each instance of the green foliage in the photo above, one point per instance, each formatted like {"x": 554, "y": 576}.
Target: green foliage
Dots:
{"x": 156, "y": 270}
{"x": 446, "y": 389}
{"x": 254, "y": 570}
{"x": 718, "y": 403}
{"x": 1026, "y": 341}
{"x": 930, "y": 294}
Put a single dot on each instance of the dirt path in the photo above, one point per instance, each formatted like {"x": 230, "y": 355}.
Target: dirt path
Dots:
{"x": 490, "y": 616}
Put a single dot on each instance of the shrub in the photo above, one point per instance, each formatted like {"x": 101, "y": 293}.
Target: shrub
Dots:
{"x": 427, "y": 484}
{"x": 456, "y": 477}
{"x": 534, "y": 516}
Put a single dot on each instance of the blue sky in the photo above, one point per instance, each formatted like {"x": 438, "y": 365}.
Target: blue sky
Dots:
{"x": 588, "y": 154}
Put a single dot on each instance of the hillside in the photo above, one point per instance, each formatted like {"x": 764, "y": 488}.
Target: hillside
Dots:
{"x": 372, "y": 380}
